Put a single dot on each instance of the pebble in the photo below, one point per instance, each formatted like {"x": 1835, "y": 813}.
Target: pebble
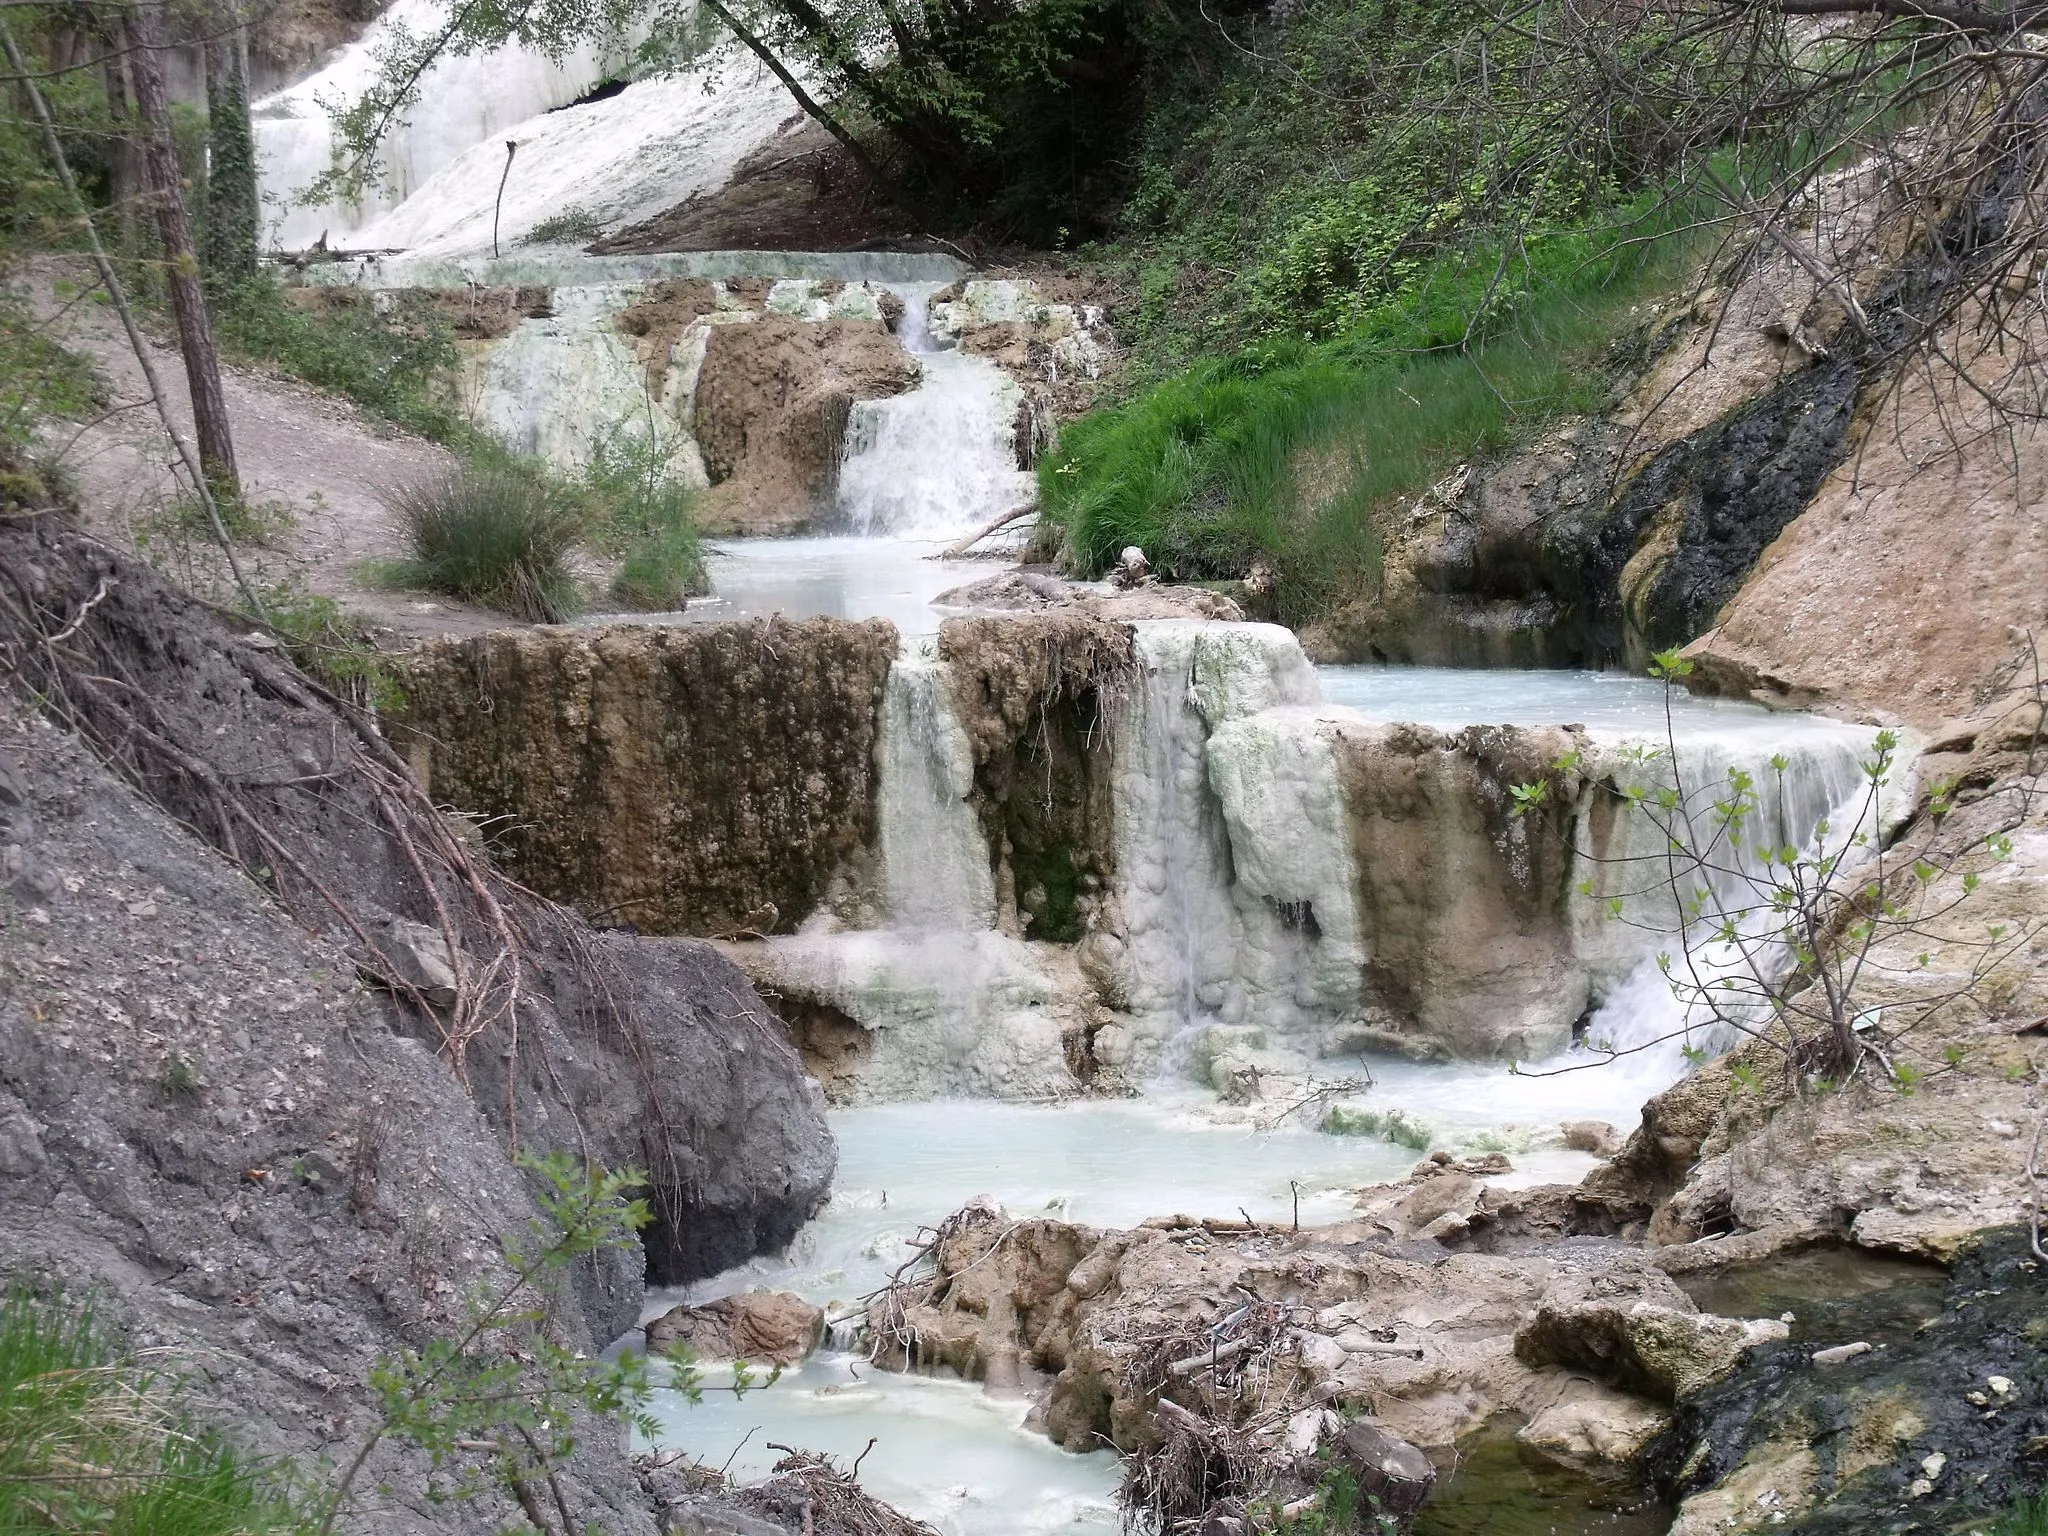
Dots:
{"x": 1841, "y": 1354}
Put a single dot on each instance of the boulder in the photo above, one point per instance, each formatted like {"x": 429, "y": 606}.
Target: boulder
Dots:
{"x": 419, "y": 959}
{"x": 1594, "y": 1136}
{"x": 774, "y": 1327}
{"x": 1594, "y": 1429}
{"x": 1636, "y": 1331}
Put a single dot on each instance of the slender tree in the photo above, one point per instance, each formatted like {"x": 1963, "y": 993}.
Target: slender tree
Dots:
{"x": 141, "y": 33}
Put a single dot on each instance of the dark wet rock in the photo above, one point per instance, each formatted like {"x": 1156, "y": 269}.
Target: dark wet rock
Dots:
{"x": 1943, "y": 1422}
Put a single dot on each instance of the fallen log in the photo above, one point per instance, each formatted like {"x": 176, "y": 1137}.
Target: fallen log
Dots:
{"x": 1209, "y": 1359}
{"x": 1015, "y": 514}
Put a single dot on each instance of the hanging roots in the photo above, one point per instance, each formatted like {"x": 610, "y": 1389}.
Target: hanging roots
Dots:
{"x": 310, "y": 800}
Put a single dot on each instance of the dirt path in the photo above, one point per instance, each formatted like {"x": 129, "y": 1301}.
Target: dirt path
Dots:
{"x": 320, "y": 457}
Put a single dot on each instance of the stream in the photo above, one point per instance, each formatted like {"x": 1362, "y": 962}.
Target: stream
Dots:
{"x": 919, "y": 471}
{"x": 960, "y": 1457}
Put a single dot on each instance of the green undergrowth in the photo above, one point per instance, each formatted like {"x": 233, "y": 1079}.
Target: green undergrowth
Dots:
{"x": 2028, "y": 1518}
{"x": 1289, "y": 452}
{"x": 499, "y": 528}
{"x": 638, "y": 511}
{"x": 392, "y": 363}
{"x": 41, "y": 380}
{"x": 92, "y": 1439}
{"x": 331, "y": 644}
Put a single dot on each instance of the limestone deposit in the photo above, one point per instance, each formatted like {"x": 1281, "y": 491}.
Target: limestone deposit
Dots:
{"x": 1259, "y": 1328}
{"x": 771, "y": 408}
{"x": 696, "y": 780}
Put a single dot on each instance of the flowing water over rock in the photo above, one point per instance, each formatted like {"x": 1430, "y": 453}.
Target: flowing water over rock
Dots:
{"x": 941, "y": 459}
{"x": 436, "y": 187}
{"x": 1169, "y": 858}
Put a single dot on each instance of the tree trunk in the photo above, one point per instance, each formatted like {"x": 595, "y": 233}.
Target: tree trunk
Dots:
{"x": 232, "y": 212}
{"x": 140, "y": 32}
{"x": 127, "y": 156}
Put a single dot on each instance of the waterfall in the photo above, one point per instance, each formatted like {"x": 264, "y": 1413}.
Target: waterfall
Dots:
{"x": 935, "y": 859}
{"x": 939, "y": 460}
{"x": 619, "y": 160}
{"x": 1174, "y": 872}
{"x": 464, "y": 101}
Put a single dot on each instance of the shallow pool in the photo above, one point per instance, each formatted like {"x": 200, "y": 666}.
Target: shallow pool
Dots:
{"x": 1612, "y": 703}
{"x": 840, "y": 578}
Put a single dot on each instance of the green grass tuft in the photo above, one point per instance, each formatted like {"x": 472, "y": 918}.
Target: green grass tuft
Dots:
{"x": 2029, "y": 1517}
{"x": 574, "y": 225}
{"x": 90, "y": 1441}
{"x": 491, "y": 536}
{"x": 662, "y": 571}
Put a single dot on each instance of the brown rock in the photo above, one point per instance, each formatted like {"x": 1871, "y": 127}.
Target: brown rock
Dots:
{"x": 1595, "y": 1136}
{"x": 772, "y": 1327}
{"x": 1464, "y": 900}
{"x": 1594, "y": 1429}
{"x": 772, "y": 401}
{"x": 678, "y": 778}
{"x": 1638, "y": 1331}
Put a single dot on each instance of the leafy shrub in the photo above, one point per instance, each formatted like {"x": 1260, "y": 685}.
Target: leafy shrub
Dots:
{"x": 574, "y": 225}
{"x": 662, "y": 571}
{"x": 92, "y": 1442}
{"x": 492, "y": 536}
{"x": 391, "y": 362}
{"x": 636, "y": 507}
{"x": 41, "y": 379}
{"x": 329, "y": 643}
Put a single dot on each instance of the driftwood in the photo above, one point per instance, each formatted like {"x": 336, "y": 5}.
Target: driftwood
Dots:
{"x": 1206, "y": 1362}
{"x": 1015, "y": 515}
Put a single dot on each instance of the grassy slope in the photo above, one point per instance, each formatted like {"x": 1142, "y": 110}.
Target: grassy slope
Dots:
{"x": 1341, "y": 298}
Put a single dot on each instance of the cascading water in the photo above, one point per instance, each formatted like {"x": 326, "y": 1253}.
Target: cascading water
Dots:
{"x": 437, "y": 188}
{"x": 464, "y": 101}
{"x": 1233, "y": 867}
{"x": 939, "y": 460}
{"x": 1809, "y": 774}
{"x": 1813, "y": 796}
{"x": 935, "y": 864}
{"x": 1228, "y": 810}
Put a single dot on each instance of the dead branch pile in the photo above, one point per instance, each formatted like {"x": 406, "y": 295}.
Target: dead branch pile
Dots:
{"x": 1198, "y": 1465}
{"x": 1224, "y": 1391}
{"x": 922, "y": 1280}
{"x": 808, "y": 1492}
{"x": 1008, "y": 673}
